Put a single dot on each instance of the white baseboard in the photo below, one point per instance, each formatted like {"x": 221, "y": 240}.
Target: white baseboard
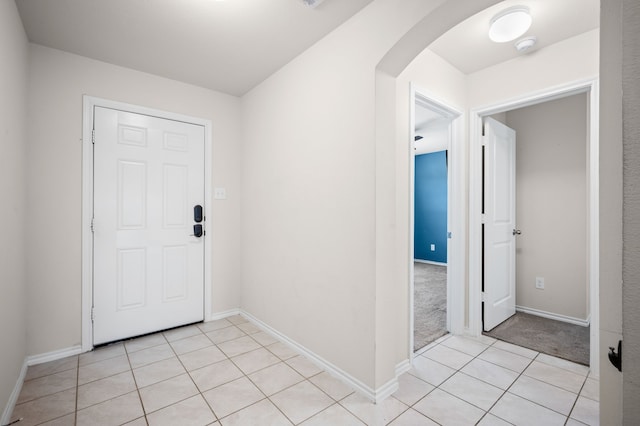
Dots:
{"x": 13, "y": 398}
{"x": 403, "y": 367}
{"x": 54, "y": 355}
{"x": 29, "y": 361}
{"x": 430, "y": 262}
{"x": 224, "y": 314}
{"x": 550, "y": 315}
{"x": 375, "y": 395}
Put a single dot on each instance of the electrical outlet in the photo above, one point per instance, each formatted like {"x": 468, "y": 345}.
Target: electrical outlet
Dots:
{"x": 540, "y": 283}
{"x": 433, "y": 247}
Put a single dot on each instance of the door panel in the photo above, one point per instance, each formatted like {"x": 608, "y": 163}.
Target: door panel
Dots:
{"x": 499, "y": 224}
{"x": 148, "y": 267}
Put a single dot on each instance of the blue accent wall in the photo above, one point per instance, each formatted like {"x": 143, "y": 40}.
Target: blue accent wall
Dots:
{"x": 431, "y": 206}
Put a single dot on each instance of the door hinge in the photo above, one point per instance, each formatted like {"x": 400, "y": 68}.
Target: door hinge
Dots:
{"x": 93, "y": 136}
{"x": 449, "y": 235}
{"x": 482, "y": 218}
{"x": 482, "y": 297}
{"x": 92, "y": 221}
{"x": 93, "y": 314}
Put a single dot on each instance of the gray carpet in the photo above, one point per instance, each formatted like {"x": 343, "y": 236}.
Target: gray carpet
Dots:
{"x": 430, "y": 304}
{"x": 548, "y": 336}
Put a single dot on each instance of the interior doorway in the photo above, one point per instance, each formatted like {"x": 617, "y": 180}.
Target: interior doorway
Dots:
{"x": 557, "y": 264}
{"x": 434, "y": 128}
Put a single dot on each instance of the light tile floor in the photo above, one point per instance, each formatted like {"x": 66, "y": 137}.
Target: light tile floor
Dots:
{"x": 229, "y": 372}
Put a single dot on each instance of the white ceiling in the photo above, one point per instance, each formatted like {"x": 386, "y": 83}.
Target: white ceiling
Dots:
{"x": 229, "y": 46}
{"x": 468, "y": 48}
{"x": 233, "y": 45}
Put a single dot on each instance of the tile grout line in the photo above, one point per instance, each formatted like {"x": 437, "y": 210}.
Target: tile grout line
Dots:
{"x": 533, "y": 402}
{"x": 463, "y": 400}
{"x": 519, "y": 373}
{"x": 217, "y": 419}
{"x": 245, "y": 375}
{"x": 334, "y": 401}
{"x": 135, "y": 381}
{"x": 438, "y": 386}
{"x": 305, "y": 379}
{"x": 251, "y": 381}
{"x": 576, "y": 401}
{"x": 567, "y": 416}
{"x": 256, "y": 386}
{"x": 505, "y": 391}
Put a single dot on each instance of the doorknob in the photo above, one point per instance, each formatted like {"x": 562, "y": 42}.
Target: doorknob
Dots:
{"x": 517, "y": 232}
{"x": 197, "y": 231}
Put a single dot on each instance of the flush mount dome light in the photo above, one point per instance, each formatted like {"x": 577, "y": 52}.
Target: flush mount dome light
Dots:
{"x": 510, "y": 24}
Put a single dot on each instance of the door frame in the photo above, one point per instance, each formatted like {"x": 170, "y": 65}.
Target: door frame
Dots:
{"x": 455, "y": 211}
{"x": 88, "y": 104}
{"x": 591, "y": 87}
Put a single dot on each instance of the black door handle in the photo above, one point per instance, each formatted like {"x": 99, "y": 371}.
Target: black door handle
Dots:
{"x": 197, "y": 231}
{"x": 616, "y": 357}
{"x": 197, "y": 213}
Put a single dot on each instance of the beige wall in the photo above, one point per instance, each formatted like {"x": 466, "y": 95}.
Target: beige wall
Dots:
{"x": 567, "y": 61}
{"x": 551, "y": 205}
{"x": 611, "y": 18}
{"x": 309, "y": 182}
{"x": 57, "y": 82}
{"x": 304, "y": 147}
{"x": 13, "y": 126}
{"x": 631, "y": 211}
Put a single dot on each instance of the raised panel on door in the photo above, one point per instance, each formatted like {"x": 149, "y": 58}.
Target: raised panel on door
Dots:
{"x": 132, "y": 278}
{"x": 148, "y": 265}
{"x": 132, "y": 194}
{"x": 175, "y": 273}
{"x": 174, "y": 195}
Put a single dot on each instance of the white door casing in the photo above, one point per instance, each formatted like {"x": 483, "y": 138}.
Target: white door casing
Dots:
{"x": 148, "y": 270}
{"x": 476, "y": 117}
{"x": 499, "y": 223}
{"x": 456, "y": 256}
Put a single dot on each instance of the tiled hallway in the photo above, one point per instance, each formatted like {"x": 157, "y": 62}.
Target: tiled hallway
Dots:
{"x": 229, "y": 372}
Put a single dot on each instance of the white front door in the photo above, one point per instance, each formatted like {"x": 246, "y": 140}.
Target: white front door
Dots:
{"x": 499, "y": 223}
{"x": 148, "y": 264}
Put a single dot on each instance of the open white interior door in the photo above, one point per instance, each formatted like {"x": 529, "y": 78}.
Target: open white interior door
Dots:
{"x": 148, "y": 264}
{"x": 499, "y": 269}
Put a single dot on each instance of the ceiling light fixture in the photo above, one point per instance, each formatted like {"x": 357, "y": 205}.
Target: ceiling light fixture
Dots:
{"x": 510, "y": 24}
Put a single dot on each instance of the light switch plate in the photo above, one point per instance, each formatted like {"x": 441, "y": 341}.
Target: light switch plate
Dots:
{"x": 219, "y": 194}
